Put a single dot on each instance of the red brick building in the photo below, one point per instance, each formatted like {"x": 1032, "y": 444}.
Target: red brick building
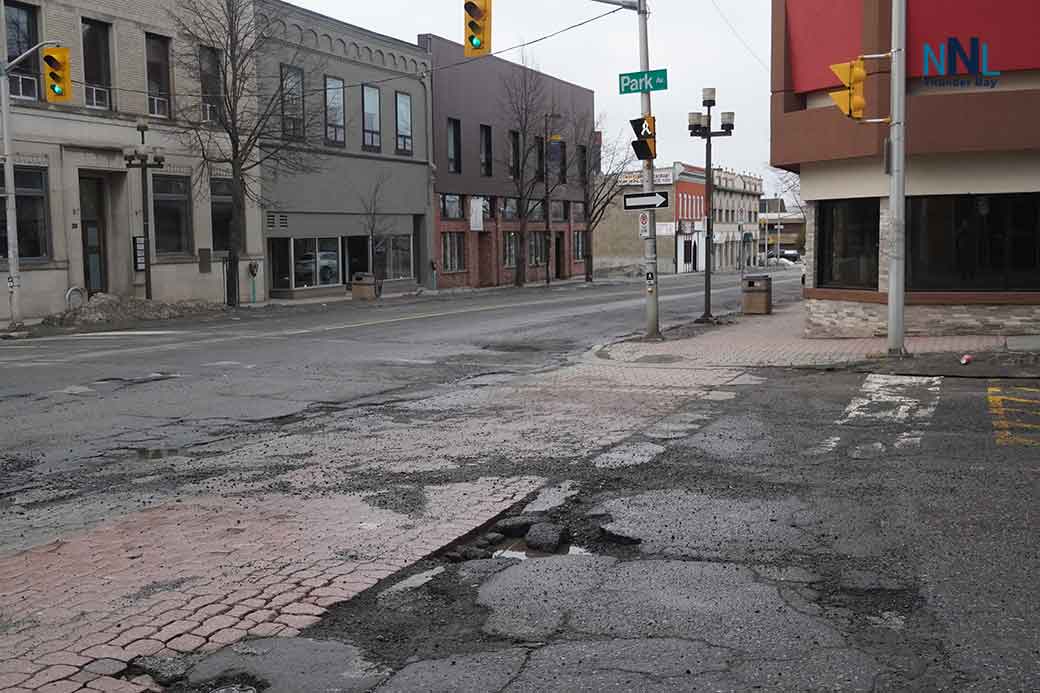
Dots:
{"x": 473, "y": 137}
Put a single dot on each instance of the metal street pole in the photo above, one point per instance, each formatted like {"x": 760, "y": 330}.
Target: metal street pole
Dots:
{"x": 897, "y": 197}
{"x": 779, "y": 232}
{"x": 653, "y": 323}
{"x": 709, "y": 229}
{"x": 547, "y": 202}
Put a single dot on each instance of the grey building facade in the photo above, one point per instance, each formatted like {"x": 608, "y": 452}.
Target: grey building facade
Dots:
{"x": 359, "y": 102}
{"x": 471, "y": 136}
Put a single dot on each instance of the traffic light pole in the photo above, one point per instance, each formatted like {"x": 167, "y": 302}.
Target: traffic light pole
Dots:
{"x": 897, "y": 196}
{"x": 653, "y": 321}
{"x": 14, "y": 279}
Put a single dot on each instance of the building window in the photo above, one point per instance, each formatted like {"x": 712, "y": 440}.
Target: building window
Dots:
{"x": 451, "y": 207}
{"x": 514, "y": 154}
{"x": 454, "y": 145}
{"x": 580, "y": 245}
{"x": 171, "y": 200}
{"x": 221, "y": 202}
{"x": 511, "y": 209}
{"x": 399, "y": 257}
{"x": 30, "y": 185}
{"x": 488, "y": 205}
{"x": 212, "y": 84}
{"x": 578, "y": 210}
{"x": 97, "y": 72}
{"x": 583, "y": 164}
{"x": 539, "y": 143}
{"x": 292, "y": 102}
{"x": 563, "y": 161}
{"x": 486, "y": 152}
{"x": 511, "y": 249}
{"x": 537, "y": 248}
{"x": 371, "y": 127}
{"x": 974, "y": 243}
{"x": 157, "y": 49}
{"x": 558, "y": 209}
{"x": 453, "y": 251}
{"x": 404, "y": 123}
{"x": 535, "y": 210}
{"x": 848, "y": 243}
{"x": 22, "y": 34}
{"x": 335, "y": 112}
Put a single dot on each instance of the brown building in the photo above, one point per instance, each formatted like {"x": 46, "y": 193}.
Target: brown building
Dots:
{"x": 973, "y": 167}
{"x": 472, "y": 140}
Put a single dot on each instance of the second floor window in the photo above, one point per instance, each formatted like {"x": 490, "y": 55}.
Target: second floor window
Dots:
{"x": 485, "y": 151}
{"x": 514, "y": 154}
{"x": 403, "y": 104}
{"x": 454, "y": 146}
{"x": 372, "y": 138}
{"x": 292, "y": 102}
{"x": 157, "y": 49}
{"x": 563, "y": 161}
{"x": 335, "y": 112}
{"x": 211, "y": 83}
{"x": 22, "y": 34}
{"x": 583, "y": 164}
{"x": 97, "y": 71}
{"x": 539, "y": 143}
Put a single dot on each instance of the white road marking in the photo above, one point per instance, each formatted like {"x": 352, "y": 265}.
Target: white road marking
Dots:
{"x": 222, "y": 364}
{"x": 891, "y": 400}
{"x": 73, "y": 390}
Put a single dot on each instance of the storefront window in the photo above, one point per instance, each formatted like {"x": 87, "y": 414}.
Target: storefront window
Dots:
{"x": 453, "y": 252}
{"x": 848, "y": 243}
{"x": 512, "y": 249}
{"x": 974, "y": 242}
{"x": 172, "y": 204}
{"x": 220, "y": 213}
{"x": 305, "y": 262}
{"x": 31, "y": 205}
{"x": 328, "y": 261}
{"x": 399, "y": 259}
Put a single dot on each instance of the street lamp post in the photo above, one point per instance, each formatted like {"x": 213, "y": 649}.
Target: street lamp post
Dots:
{"x": 145, "y": 158}
{"x": 700, "y": 126}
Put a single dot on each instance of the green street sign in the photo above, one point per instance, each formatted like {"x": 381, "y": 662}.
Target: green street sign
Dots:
{"x": 638, "y": 82}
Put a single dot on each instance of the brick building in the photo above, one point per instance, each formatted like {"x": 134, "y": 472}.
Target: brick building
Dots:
{"x": 973, "y": 163}
{"x": 476, "y": 213}
{"x": 78, "y": 206}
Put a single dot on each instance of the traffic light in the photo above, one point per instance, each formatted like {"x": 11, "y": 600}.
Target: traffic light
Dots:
{"x": 853, "y": 99}
{"x": 477, "y": 14}
{"x": 645, "y": 145}
{"x": 56, "y": 78}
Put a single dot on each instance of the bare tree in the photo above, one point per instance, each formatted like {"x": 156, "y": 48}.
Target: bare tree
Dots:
{"x": 378, "y": 225}
{"x": 527, "y": 104}
{"x": 599, "y": 172}
{"x": 789, "y": 189}
{"x": 250, "y": 110}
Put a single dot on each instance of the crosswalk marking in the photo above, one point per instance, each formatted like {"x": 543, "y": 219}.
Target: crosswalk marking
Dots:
{"x": 1018, "y": 424}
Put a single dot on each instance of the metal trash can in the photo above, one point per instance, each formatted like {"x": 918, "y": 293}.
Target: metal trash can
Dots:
{"x": 363, "y": 286}
{"x": 758, "y": 294}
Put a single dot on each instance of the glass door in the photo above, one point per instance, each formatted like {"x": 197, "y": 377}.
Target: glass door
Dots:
{"x": 92, "y": 219}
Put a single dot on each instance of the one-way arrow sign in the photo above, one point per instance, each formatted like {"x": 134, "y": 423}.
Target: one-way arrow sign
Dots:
{"x": 651, "y": 200}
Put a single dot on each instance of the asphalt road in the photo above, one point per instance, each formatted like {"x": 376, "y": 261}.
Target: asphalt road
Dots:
{"x": 62, "y": 396}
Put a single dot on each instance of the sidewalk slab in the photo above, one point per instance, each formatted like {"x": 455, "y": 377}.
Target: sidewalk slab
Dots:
{"x": 778, "y": 340}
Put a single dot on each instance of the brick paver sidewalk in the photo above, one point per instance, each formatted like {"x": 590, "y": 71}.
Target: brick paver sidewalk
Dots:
{"x": 778, "y": 340}
{"x": 206, "y": 572}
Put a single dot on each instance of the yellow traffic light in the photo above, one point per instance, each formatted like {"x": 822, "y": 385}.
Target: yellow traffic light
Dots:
{"x": 57, "y": 81}
{"x": 853, "y": 99}
{"x": 477, "y": 15}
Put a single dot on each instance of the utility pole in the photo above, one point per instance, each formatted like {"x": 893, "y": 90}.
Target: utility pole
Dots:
{"x": 653, "y": 323}
{"x": 653, "y": 320}
{"x": 14, "y": 279}
{"x": 897, "y": 196}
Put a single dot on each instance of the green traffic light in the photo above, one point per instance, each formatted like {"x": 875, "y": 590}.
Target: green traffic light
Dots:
{"x": 475, "y": 42}
{"x": 57, "y": 89}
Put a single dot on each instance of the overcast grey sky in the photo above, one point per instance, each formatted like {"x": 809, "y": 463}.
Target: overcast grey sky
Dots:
{"x": 688, "y": 37}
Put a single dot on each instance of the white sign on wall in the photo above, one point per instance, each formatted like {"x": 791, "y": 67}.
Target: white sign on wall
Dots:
{"x": 630, "y": 178}
{"x": 476, "y": 214}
